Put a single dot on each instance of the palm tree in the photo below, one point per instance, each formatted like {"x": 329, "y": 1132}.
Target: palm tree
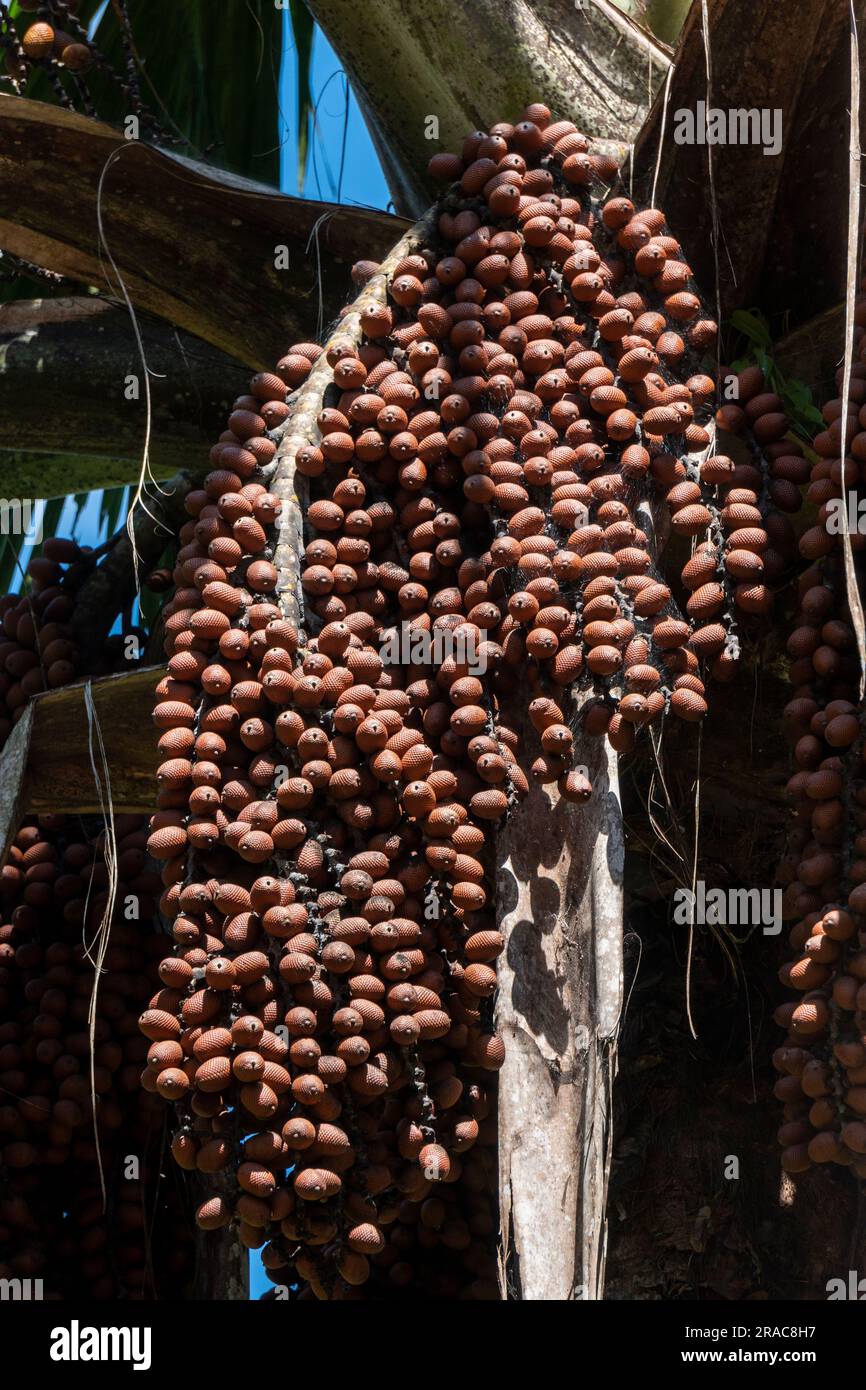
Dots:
{"x": 174, "y": 254}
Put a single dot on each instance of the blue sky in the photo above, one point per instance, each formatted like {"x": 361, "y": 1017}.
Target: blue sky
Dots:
{"x": 351, "y": 177}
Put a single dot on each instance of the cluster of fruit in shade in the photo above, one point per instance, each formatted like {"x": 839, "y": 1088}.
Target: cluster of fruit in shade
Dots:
{"x": 54, "y": 889}
{"x": 476, "y": 474}
{"x": 774, "y": 474}
{"x": 822, "y": 1062}
{"x": 45, "y": 41}
{"x": 38, "y": 647}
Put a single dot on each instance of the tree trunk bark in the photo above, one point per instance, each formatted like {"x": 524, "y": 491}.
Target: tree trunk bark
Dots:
{"x": 428, "y": 71}
{"x": 812, "y": 352}
{"x": 776, "y": 245}
{"x": 559, "y": 902}
{"x": 222, "y": 1264}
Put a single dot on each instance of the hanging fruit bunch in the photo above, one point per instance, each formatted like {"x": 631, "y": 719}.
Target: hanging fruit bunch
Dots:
{"x": 775, "y": 476}
{"x": 47, "y": 37}
{"x": 36, "y": 648}
{"x": 482, "y": 440}
{"x": 40, "y": 647}
{"x": 55, "y": 1113}
{"x": 822, "y": 1062}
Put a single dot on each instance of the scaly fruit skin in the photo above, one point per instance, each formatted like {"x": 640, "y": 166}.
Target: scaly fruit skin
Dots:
{"x": 473, "y": 537}
{"x": 822, "y": 1061}
{"x": 38, "y": 40}
{"x": 77, "y": 57}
